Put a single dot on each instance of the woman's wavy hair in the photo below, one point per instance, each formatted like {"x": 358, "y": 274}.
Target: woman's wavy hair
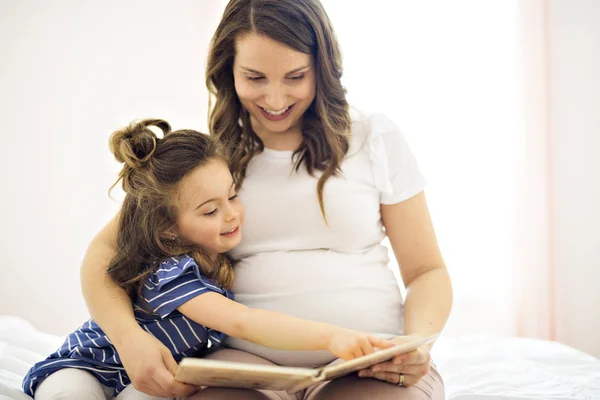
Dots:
{"x": 304, "y": 26}
{"x": 152, "y": 171}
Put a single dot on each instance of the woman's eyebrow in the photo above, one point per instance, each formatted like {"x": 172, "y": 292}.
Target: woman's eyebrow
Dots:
{"x": 287, "y": 73}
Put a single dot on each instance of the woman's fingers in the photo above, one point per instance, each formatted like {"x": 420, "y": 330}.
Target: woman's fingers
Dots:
{"x": 418, "y": 356}
{"x": 167, "y": 378}
{"x": 164, "y": 385}
{"x": 394, "y": 378}
{"x": 390, "y": 372}
{"x": 411, "y": 369}
{"x": 156, "y": 376}
{"x": 390, "y": 377}
{"x": 413, "y": 365}
{"x": 388, "y": 366}
{"x": 151, "y": 366}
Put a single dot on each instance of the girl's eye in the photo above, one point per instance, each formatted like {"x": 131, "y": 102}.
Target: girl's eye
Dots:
{"x": 233, "y": 197}
{"x": 254, "y": 78}
{"x": 211, "y": 213}
{"x": 297, "y": 77}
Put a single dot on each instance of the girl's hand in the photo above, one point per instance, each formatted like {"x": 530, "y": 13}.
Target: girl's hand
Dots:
{"x": 348, "y": 344}
{"x": 150, "y": 365}
{"x": 413, "y": 365}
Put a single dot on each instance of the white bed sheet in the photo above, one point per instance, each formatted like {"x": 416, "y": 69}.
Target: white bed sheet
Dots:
{"x": 474, "y": 368}
{"x": 21, "y": 346}
{"x": 497, "y": 368}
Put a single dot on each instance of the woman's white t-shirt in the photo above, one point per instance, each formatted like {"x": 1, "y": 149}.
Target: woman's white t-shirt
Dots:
{"x": 291, "y": 261}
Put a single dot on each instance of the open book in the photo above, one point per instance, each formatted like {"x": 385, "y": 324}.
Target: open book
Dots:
{"x": 204, "y": 372}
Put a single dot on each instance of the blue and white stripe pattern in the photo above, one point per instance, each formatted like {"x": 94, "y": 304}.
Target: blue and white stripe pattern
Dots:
{"x": 176, "y": 281}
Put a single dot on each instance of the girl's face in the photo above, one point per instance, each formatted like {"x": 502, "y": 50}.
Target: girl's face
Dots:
{"x": 209, "y": 213}
{"x": 276, "y": 85}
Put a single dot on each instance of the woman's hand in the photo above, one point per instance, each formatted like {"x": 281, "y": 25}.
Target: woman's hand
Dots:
{"x": 413, "y": 365}
{"x": 348, "y": 344}
{"x": 150, "y": 365}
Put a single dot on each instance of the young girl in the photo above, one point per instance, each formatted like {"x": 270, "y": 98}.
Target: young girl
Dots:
{"x": 180, "y": 214}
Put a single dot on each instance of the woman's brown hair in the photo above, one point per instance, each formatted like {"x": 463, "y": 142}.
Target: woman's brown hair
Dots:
{"x": 152, "y": 171}
{"x": 304, "y": 26}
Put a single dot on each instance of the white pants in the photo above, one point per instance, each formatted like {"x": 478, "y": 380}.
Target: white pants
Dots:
{"x": 78, "y": 384}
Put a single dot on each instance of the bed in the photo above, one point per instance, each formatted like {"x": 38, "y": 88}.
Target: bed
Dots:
{"x": 474, "y": 368}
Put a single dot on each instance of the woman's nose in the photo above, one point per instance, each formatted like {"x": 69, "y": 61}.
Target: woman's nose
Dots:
{"x": 275, "y": 98}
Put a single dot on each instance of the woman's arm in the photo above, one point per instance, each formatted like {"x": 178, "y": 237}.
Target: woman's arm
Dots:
{"x": 422, "y": 268}
{"x": 108, "y": 304}
{"x": 148, "y": 362}
{"x": 428, "y": 288}
{"x": 277, "y": 330}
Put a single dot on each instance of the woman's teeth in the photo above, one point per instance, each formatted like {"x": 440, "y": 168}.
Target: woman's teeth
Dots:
{"x": 276, "y": 113}
{"x": 230, "y": 231}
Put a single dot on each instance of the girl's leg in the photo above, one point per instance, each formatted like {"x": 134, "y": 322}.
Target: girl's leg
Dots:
{"x": 214, "y": 393}
{"x": 72, "y": 384}
{"x": 131, "y": 393}
{"x": 430, "y": 387}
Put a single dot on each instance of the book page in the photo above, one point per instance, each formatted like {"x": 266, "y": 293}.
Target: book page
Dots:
{"x": 204, "y": 372}
{"x": 339, "y": 370}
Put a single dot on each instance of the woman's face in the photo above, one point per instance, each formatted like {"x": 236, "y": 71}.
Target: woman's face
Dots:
{"x": 276, "y": 85}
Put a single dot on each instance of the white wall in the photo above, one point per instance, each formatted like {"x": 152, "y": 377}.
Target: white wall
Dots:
{"x": 574, "y": 56}
{"x": 75, "y": 71}
{"x": 70, "y": 73}
{"x": 446, "y": 73}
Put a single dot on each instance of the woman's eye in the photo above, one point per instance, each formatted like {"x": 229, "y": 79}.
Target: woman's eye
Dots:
{"x": 233, "y": 197}
{"x": 297, "y": 77}
{"x": 254, "y": 78}
{"x": 211, "y": 213}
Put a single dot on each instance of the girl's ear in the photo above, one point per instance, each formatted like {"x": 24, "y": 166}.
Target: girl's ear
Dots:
{"x": 170, "y": 234}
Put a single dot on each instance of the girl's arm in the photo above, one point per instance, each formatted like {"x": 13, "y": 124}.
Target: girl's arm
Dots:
{"x": 277, "y": 330}
{"x": 147, "y": 361}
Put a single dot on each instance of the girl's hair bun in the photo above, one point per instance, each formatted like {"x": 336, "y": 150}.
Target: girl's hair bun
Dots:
{"x": 135, "y": 144}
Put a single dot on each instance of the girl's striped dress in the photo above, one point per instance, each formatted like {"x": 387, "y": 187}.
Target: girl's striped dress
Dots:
{"x": 176, "y": 281}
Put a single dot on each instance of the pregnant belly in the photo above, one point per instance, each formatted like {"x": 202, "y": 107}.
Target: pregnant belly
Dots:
{"x": 356, "y": 291}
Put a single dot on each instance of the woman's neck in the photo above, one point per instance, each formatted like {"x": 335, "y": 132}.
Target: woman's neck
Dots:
{"x": 289, "y": 140}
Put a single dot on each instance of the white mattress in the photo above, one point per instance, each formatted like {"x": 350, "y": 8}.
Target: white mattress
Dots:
{"x": 473, "y": 368}
{"x": 20, "y": 347}
{"x": 494, "y": 368}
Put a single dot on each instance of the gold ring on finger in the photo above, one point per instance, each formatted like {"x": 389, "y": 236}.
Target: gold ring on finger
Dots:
{"x": 401, "y": 380}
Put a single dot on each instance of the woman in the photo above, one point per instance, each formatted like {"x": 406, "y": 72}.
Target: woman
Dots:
{"x": 322, "y": 188}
